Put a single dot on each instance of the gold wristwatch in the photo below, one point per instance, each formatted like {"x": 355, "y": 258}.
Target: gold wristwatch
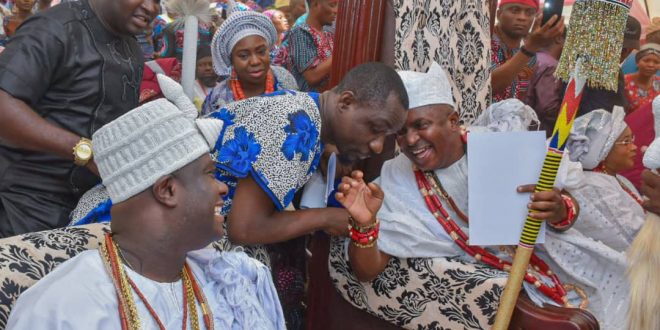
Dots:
{"x": 82, "y": 152}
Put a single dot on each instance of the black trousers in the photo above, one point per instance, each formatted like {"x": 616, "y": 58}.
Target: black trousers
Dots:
{"x": 29, "y": 211}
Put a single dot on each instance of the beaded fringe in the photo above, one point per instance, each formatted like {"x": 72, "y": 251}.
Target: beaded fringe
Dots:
{"x": 595, "y": 31}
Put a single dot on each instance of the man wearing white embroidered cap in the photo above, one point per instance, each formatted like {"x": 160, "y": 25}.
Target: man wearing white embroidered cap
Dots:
{"x": 155, "y": 163}
{"x": 433, "y": 163}
{"x": 429, "y": 88}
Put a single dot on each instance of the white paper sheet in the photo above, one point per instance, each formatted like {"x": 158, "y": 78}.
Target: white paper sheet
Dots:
{"x": 317, "y": 190}
{"x": 330, "y": 176}
{"x": 497, "y": 164}
{"x": 312, "y": 197}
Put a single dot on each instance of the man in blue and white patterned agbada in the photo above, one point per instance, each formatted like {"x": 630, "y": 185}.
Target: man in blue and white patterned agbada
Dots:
{"x": 271, "y": 145}
{"x": 156, "y": 166}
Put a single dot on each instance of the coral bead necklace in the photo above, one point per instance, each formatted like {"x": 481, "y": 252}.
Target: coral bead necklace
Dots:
{"x": 239, "y": 93}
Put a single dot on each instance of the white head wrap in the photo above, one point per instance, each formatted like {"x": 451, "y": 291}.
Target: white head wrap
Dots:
{"x": 510, "y": 115}
{"x": 652, "y": 154}
{"x": 428, "y": 88}
{"x": 238, "y": 25}
{"x": 593, "y": 136}
{"x": 151, "y": 141}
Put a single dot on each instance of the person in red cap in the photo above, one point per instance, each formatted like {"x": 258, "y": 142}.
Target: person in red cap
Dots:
{"x": 514, "y": 47}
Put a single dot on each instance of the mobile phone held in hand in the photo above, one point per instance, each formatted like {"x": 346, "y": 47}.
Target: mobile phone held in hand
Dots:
{"x": 551, "y": 8}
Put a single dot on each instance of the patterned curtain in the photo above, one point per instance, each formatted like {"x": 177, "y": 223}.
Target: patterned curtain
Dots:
{"x": 454, "y": 33}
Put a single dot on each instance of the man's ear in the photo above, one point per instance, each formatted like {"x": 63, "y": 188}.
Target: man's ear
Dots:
{"x": 346, "y": 99}
{"x": 166, "y": 191}
{"x": 454, "y": 120}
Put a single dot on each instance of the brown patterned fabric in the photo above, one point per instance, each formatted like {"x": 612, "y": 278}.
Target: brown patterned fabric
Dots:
{"x": 24, "y": 259}
{"x": 422, "y": 293}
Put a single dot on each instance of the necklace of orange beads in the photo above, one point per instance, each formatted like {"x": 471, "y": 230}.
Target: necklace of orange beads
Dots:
{"x": 237, "y": 90}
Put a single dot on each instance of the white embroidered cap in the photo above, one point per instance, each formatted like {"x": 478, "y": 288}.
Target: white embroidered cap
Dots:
{"x": 150, "y": 141}
{"x": 428, "y": 88}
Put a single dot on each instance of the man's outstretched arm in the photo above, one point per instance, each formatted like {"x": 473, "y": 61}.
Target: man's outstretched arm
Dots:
{"x": 253, "y": 218}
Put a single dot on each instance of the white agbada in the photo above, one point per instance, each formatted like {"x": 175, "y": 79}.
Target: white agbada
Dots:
{"x": 79, "y": 294}
{"x": 592, "y": 253}
{"x": 607, "y": 212}
{"x": 408, "y": 229}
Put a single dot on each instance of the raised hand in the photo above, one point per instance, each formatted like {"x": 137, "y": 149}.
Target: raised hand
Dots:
{"x": 360, "y": 199}
{"x": 541, "y": 36}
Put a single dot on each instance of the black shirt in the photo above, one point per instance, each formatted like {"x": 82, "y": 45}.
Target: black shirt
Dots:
{"x": 77, "y": 75}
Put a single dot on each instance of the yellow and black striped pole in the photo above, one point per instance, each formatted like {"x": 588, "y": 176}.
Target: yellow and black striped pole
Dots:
{"x": 591, "y": 55}
{"x": 563, "y": 125}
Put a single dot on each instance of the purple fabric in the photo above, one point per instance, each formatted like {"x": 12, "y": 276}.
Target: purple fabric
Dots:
{"x": 545, "y": 91}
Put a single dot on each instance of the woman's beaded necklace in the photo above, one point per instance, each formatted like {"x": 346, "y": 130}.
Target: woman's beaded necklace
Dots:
{"x": 128, "y": 314}
{"x": 430, "y": 187}
{"x": 239, "y": 93}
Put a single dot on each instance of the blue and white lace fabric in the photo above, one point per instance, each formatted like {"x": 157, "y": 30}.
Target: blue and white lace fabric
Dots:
{"x": 275, "y": 138}
{"x": 93, "y": 207}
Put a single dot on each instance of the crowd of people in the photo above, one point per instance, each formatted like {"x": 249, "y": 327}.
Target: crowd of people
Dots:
{"x": 102, "y": 132}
